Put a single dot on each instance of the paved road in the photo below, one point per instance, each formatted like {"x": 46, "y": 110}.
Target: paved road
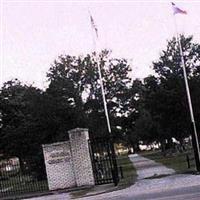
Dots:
{"x": 187, "y": 193}
{"x": 172, "y": 187}
{"x": 147, "y": 168}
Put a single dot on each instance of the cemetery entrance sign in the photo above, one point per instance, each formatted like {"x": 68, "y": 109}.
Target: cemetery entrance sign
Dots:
{"x": 68, "y": 164}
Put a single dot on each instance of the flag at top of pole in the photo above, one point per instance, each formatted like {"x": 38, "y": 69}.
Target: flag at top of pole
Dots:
{"x": 177, "y": 10}
{"x": 93, "y": 25}
{"x": 195, "y": 139}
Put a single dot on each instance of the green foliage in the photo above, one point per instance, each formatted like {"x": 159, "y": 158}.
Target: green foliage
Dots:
{"x": 32, "y": 117}
{"x": 18, "y": 116}
{"x": 75, "y": 81}
{"x": 154, "y": 109}
{"x": 158, "y": 106}
{"x": 166, "y": 97}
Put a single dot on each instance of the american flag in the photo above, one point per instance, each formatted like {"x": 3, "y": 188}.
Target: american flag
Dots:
{"x": 94, "y": 25}
{"x": 178, "y": 10}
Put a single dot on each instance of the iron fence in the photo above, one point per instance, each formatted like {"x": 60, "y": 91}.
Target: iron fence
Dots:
{"x": 19, "y": 177}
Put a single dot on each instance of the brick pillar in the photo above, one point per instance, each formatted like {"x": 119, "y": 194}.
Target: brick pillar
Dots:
{"x": 59, "y": 166}
{"x": 81, "y": 156}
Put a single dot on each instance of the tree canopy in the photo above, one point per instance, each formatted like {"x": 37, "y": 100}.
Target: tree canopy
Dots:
{"x": 153, "y": 109}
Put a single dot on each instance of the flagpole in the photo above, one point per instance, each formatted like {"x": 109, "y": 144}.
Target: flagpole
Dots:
{"x": 100, "y": 75}
{"x": 195, "y": 140}
{"x": 103, "y": 95}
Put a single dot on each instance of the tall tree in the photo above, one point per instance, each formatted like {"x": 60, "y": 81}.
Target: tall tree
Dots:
{"x": 169, "y": 101}
{"x": 21, "y": 131}
{"x": 76, "y": 80}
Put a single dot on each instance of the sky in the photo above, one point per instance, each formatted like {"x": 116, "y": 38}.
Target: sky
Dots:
{"x": 34, "y": 33}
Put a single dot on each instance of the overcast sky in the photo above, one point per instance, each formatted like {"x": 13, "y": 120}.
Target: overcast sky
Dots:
{"x": 35, "y": 33}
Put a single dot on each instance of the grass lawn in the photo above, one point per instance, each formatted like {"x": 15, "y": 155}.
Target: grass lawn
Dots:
{"x": 175, "y": 161}
{"x": 129, "y": 171}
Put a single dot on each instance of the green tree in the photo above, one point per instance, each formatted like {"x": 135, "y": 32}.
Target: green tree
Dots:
{"x": 166, "y": 99}
{"x": 134, "y": 105}
{"x": 76, "y": 80}
{"x": 21, "y": 131}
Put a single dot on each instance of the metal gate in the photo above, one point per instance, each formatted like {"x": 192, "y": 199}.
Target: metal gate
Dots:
{"x": 104, "y": 162}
